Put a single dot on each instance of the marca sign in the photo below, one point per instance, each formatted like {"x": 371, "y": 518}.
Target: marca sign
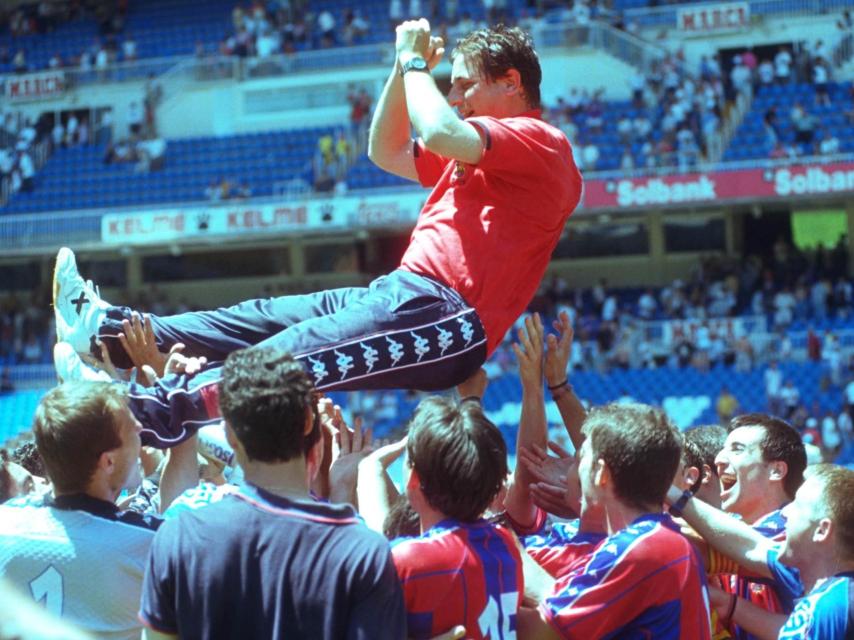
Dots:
{"x": 720, "y": 186}
{"x": 713, "y": 18}
{"x": 34, "y": 86}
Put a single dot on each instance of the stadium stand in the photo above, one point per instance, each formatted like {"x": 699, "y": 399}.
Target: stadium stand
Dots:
{"x": 752, "y": 140}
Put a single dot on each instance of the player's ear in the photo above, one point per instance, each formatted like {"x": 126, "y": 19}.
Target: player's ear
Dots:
{"x": 778, "y": 470}
{"x": 601, "y": 474}
{"x": 823, "y": 530}
{"x": 511, "y": 82}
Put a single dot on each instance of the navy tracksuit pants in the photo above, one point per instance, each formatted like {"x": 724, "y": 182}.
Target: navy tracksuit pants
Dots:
{"x": 403, "y": 331}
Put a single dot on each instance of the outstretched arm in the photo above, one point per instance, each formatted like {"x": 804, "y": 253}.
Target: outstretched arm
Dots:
{"x": 532, "y": 424}
{"x": 558, "y": 349}
{"x": 730, "y": 536}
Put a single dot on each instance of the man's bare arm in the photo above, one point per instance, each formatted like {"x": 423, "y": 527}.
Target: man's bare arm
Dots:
{"x": 730, "y": 536}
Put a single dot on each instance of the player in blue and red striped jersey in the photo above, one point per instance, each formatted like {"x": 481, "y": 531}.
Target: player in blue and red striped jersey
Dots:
{"x": 462, "y": 569}
{"x": 817, "y": 555}
{"x": 760, "y": 467}
{"x": 645, "y": 579}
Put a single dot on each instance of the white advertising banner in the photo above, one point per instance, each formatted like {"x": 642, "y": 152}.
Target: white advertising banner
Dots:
{"x": 309, "y": 216}
{"x": 713, "y": 18}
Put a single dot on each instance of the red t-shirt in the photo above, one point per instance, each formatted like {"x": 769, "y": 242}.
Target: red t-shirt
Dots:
{"x": 488, "y": 230}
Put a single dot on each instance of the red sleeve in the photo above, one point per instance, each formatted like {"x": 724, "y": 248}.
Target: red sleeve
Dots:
{"x": 520, "y": 145}
{"x": 536, "y": 528}
{"x": 429, "y": 166}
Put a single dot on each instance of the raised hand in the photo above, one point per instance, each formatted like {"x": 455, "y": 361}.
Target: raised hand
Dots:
{"x": 545, "y": 468}
{"x": 529, "y": 351}
{"x": 552, "y": 499}
{"x": 354, "y": 445}
{"x": 558, "y": 350}
{"x": 413, "y": 39}
{"x": 139, "y": 342}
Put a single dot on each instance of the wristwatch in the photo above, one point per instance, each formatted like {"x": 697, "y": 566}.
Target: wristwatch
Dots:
{"x": 416, "y": 63}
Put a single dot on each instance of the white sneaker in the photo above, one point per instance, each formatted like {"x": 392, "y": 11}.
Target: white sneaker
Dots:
{"x": 69, "y": 366}
{"x": 78, "y": 307}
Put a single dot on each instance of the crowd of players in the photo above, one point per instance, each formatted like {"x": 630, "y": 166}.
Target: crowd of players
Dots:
{"x": 573, "y": 545}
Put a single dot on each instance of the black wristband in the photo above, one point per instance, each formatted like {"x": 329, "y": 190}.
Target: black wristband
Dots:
{"x": 470, "y": 399}
{"x": 733, "y": 601}
{"x": 555, "y": 387}
{"x": 676, "y": 507}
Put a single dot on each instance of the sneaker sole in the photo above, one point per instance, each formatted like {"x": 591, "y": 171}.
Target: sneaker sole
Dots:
{"x": 60, "y": 337}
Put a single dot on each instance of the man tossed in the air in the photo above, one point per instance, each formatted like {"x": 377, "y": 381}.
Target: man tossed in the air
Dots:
{"x": 504, "y": 183}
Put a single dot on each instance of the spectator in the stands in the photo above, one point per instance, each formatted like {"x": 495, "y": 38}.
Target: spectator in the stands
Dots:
{"x": 590, "y": 156}
{"x": 790, "y": 398}
{"x": 28, "y": 171}
{"x": 773, "y": 385}
{"x": 128, "y": 48}
{"x": 820, "y": 79}
{"x": 765, "y": 72}
{"x": 804, "y": 124}
{"x": 19, "y": 62}
{"x": 740, "y": 75}
{"x": 55, "y": 61}
{"x": 326, "y": 28}
{"x": 829, "y": 144}
{"x": 783, "y": 65}
{"x": 726, "y": 405}
{"x": 627, "y": 160}
{"x": 356, "y": 26}
{"x": 771, "y": 126}
{"x": 136, "y": 118}
{"x": 57, "y": 134}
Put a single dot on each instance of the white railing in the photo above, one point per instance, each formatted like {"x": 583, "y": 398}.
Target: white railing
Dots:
{"x": 734, "y": 117}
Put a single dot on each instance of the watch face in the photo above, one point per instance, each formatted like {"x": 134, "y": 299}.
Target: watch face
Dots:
{"x": 418, "y": 63}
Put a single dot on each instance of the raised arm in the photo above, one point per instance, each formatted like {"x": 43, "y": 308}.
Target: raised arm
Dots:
{"x": 375, "y": 490}
{"x": 532, "y": 424}
{"x": 436, "y": 123}
{"x": 390, "y": 137}
{"x": 730, "y": 536}
{"x": 558, "y": 349}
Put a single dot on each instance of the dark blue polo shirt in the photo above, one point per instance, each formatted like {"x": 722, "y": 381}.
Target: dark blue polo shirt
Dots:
{"x": 256, "y": 565}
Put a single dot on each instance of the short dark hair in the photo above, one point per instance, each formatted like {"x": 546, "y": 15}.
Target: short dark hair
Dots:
{"x": 459, "y": 455}
{"x": 27, "y": 455}
{"x": 265, "y": 397}
{"x": 74, "y": 424}
{"x": 641, "y": 447}
{"x": 700, "y": 446}
{"x": 838, "y": 495}
{"x": 493, "y": 51}
{"x": 781, "y": 442}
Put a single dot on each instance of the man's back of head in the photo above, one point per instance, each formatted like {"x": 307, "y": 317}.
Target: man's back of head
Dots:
{"x": 267, "y": 400}
{"x": 458, "y": 456}
{"x": 641, "y": 449}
